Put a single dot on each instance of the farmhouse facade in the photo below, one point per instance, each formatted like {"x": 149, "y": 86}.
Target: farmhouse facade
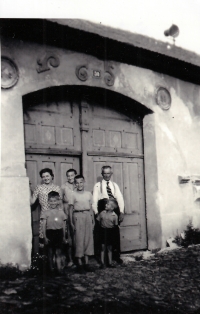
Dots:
{"x": 75, "y": 94}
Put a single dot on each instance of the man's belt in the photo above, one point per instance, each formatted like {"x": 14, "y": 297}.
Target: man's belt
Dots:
{"x": 81, "y": 211}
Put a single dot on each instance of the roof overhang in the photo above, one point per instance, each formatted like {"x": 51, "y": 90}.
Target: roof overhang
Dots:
{"x": 107, "y": 43}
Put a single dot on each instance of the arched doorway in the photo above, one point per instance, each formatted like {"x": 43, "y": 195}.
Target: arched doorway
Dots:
{"x": 86, "y": 128}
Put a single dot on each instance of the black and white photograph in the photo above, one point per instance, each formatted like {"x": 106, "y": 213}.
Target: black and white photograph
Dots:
{"x": 100, "y": 157}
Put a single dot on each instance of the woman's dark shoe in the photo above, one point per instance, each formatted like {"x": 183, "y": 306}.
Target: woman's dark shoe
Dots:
{"x": 88, "y": 268}
{"x": 102, "y": 266}
{"x": 111, "y": 266}
{"x": 80, "y": 269}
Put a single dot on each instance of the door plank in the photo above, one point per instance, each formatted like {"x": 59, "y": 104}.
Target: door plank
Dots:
{"x": 117, "y": 174}
{"x": 133, "y": 188}
{"x": 129, "y": 238}
{"x": 130, "y": 220}
{"x": 126, "y": 192}
{"x": 142, "y": 204}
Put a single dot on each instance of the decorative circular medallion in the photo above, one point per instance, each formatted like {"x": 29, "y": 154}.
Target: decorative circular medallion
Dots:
{"x": 109, "y": 78}
{"x": 9, "y": 73}
{"x": 163, "y": 98}
{"x": 81, "y": 73}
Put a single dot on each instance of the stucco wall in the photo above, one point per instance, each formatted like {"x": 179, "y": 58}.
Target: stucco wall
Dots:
{"x": 15, "y": 224}
{"x": 171, "y": 140}
{"x": 178, "y": 151}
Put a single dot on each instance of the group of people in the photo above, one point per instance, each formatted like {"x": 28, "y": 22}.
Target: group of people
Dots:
{"x": 87, "y": 222}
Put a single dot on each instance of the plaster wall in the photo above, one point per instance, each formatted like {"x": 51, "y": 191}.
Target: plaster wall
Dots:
{"x": 171, "y": 139}
{"x": 178, "y": 151}
{"x": 15, "y": 224}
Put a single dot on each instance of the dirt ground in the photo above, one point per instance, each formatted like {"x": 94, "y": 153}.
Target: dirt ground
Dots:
{"x": 168, "y": 282}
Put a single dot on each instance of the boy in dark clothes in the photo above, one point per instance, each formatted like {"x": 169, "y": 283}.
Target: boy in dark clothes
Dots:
{"x": 108, "y": 221}
{"x": 54, "y": 222}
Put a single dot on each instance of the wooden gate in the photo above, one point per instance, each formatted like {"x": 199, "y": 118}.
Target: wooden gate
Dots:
{"x": 54, "y": 138}
{"x": 115, "y": 139}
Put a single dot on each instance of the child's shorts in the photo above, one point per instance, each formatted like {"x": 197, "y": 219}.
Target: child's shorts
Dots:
{"x": 108, "y": 236}
{"x": 55, "y": 237}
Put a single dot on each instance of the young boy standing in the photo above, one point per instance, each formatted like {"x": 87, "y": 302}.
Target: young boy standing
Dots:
{"x": 67, "y": 189}
{"x": 82, "y": 223}
{"x": 54, "y": 223}
{"x": 108, "y": 221}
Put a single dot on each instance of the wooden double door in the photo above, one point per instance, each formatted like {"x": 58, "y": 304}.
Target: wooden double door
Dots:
{"x": 85, "y": 136}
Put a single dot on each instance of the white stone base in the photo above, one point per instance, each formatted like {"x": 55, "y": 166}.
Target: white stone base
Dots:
{"x": 15, "y": 222}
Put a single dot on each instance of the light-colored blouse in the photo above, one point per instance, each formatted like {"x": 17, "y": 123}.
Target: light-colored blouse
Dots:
{"x": 41, "y": 192}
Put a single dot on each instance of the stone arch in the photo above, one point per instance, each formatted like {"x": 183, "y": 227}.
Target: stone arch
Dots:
{"x": 124, "y": 105}
{"x": 86, "y": 92}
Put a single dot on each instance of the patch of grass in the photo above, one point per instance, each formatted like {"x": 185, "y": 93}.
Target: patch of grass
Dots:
{"x": 9, "y": 271}
{"x": 191, "y": 236}
{"x": 139, "y": 257}
{"x": 39, "y": 264}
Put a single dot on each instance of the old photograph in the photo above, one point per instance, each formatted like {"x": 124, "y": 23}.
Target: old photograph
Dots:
{"x": 100, "y": 158}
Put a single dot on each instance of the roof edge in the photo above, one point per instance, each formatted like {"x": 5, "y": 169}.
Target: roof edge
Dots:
{"x": 136, "y": 40}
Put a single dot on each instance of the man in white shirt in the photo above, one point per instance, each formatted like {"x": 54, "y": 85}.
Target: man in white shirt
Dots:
{"x": 101, "y": 191}
{"x": 105, "y": 190}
